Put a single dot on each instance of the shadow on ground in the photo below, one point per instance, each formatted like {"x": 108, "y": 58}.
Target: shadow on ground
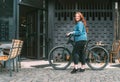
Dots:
{"x": 116, "y": 65}
{"x": 41, "y": 66}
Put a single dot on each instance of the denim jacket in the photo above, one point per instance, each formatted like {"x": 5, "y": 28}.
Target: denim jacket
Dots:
{"x": 79, "y": 32}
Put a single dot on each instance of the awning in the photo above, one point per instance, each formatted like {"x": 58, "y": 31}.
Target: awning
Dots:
{"x": 74, "y": 1}
{"x": 33, "y": 3}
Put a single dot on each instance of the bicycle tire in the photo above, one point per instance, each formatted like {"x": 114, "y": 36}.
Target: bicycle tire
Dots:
{"x": 58, "y": 60}
{"x": 97, "y": 58}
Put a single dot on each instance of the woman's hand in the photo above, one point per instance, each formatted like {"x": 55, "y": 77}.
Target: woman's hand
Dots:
{"x": 67, "y": 34}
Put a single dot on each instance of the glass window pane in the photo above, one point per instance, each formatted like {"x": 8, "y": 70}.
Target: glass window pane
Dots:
{"x": 6, "y": 20}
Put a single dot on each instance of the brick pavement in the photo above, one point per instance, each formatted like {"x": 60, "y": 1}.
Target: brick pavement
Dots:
{"x": 40, "y": 71}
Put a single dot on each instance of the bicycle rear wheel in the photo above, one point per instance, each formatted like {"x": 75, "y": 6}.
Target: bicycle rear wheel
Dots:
{"x": 97, "y": 58}
{"x": 59, "y": 58}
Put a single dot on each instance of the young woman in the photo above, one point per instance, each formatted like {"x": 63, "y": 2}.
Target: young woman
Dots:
{"x": 80, "y": 38}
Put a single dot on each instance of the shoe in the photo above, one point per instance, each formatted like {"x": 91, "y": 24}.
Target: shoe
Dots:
{"x": 74, "y": 71}
{"x": 82, "y": 70}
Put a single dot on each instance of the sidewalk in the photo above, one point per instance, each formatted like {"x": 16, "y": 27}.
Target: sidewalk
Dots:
{"x": 41, "y": 71}
{"x": 29, "y": 63}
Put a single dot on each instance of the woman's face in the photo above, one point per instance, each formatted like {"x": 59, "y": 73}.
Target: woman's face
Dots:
{"x": 77, "y": 17}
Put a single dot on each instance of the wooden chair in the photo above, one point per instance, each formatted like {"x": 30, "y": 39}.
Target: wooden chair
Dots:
{"x": 13, "y": 54}
{"x": 18, "y": 56}
{"x": 114, "y": 53}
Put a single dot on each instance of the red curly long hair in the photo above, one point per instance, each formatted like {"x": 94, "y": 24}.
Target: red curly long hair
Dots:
{"x": 81, "y": 18}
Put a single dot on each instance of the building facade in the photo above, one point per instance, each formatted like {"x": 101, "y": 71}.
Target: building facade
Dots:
{"x": 42, "y": 24}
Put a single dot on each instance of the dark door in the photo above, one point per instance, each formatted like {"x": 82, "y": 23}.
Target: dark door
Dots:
{"x": 32, "y": 33}
{"x": 33, "y": 30}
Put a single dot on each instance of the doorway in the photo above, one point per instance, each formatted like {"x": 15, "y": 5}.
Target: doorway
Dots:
{"x": 32, "y": 29}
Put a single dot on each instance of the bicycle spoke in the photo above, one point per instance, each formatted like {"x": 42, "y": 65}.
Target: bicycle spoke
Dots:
{"x": 60, "y": 58}
{"x": 98, "y": 58}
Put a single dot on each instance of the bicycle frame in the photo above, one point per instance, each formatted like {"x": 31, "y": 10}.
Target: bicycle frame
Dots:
{"x": 87, "y": 50}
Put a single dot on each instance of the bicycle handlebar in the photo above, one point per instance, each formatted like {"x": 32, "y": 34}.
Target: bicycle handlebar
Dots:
{"x": 69, "y": 39}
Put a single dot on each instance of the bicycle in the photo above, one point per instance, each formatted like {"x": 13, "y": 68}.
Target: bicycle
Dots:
{"x": 60, "y": 57}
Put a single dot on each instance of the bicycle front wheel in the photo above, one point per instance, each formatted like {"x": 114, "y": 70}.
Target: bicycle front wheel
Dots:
{"x": 97, "y": 58}
{"x": 59, "y": 58}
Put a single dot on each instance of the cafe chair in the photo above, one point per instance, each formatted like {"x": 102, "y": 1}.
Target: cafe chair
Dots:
{"x": 12, "y": 55}
{"x": 114, "y": 53}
